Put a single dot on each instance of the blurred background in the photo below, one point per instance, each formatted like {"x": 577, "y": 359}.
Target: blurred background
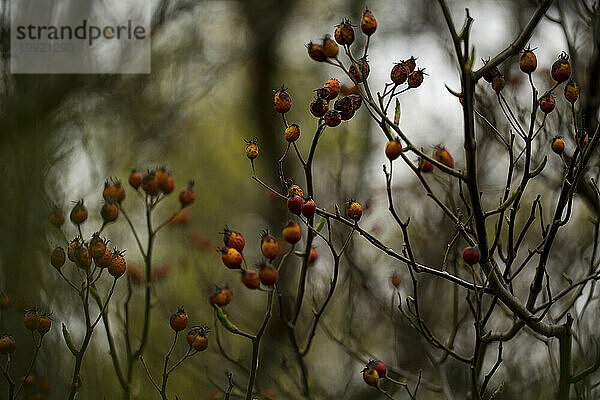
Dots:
{"x": 215, "y": 65}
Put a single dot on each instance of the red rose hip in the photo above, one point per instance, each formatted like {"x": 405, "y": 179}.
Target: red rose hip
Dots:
{"x": 354, "y": 210}
{"x": 294, "y": 204}
{"x": 471, "y": 255}
{"x": 292, "y": 233}
{"x": 231, "y": 257}
{"x": 393, "y": 149}
{"x": 268, "y": 274}
{"x": 308, "y": 208}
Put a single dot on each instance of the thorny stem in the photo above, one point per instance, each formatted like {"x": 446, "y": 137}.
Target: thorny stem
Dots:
{"x": 255, "y": 339}
{"x": 143, "y": 362}
{"x": 304, "y": 269}
{"x": 133, "y": 230}
{"x": 111, "y": 344}
{"x": 229, "y": 387}
{"x": 487, "y": 378}
{"x": 189, "y": 353}
{"x": 386, "y": 394}
{"x": 75, "y": 380}
{"x": 222, "y": 350}
{"x": 105, "y": 305}
{"x": 68, "y": 280}
{"x": 310, "y": 235}
{"x": 565, "y": 342}
{"x": 167, "y": 221}
{"x": 280, "y": 163}
{"x": 165, "y": 376}
{"x": 299, "y": 155}
{"x": 332, "y": 285}
{"x": 147, "y": 255}
{"x": 256, "y": 346}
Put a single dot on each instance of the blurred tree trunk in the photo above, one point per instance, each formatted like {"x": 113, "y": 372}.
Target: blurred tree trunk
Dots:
{"x": 266, "y": 20}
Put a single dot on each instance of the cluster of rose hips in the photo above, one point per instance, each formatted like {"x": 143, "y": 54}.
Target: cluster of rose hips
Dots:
{"x": 560, "y": 72}
{"x": 232, "y": 257}
{"x": 154, "y": 183}
{"x": 343, "y": 109}
{"x": 307, "y": 207}
{"x": 406, "y": 72}
{"x": 297, "y": 205}
{"x": 197, "y": 336}
{"x": 402, "y": 72}
{"x": 34, "y": 321}
{"x": 113, "y": 194}
{"x": 268, "y": 275}
{"x": 82, "y": 253}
